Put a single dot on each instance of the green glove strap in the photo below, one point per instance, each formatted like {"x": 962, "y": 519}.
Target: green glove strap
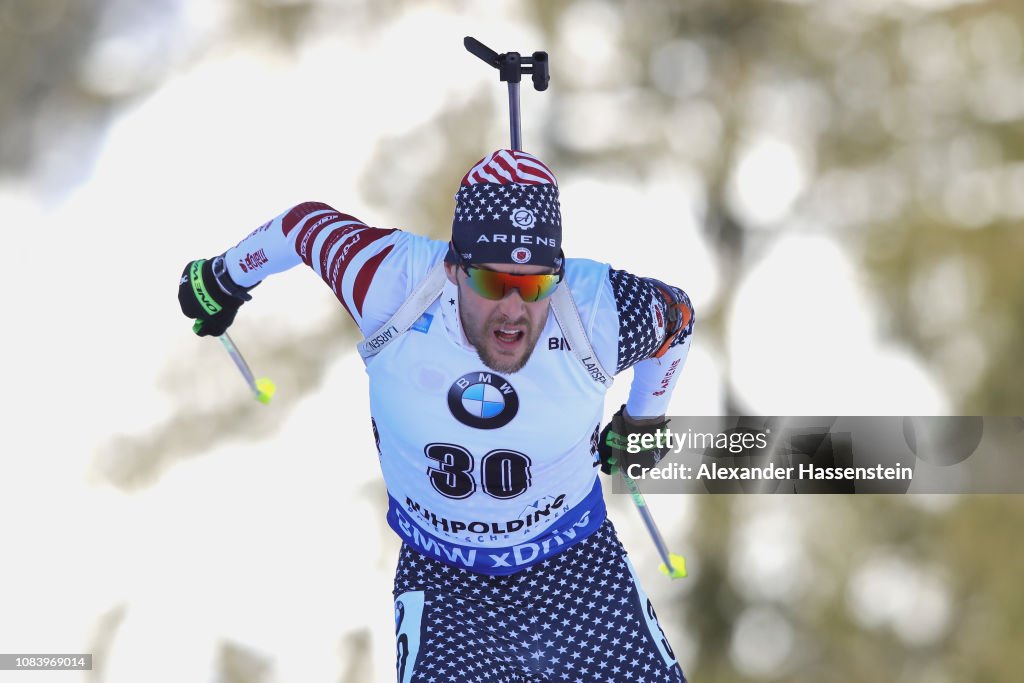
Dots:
{"x": 195, "y": 275}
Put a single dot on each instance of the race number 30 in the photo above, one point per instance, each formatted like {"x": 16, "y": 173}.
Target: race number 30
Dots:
{"x": 504, "y": 474}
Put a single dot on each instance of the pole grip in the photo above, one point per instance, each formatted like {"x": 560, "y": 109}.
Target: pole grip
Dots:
{"x": 482, "y": 51}
{"x": 540, "y": 72}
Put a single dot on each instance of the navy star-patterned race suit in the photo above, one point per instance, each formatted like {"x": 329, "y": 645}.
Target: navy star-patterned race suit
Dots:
{"x": 492, "y": 477}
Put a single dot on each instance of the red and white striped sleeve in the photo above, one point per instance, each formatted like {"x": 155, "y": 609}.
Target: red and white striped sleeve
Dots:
{"x": 348, "y": 255}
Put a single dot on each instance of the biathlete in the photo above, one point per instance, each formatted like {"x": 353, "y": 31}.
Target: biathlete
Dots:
{"x": 488, "y": 358}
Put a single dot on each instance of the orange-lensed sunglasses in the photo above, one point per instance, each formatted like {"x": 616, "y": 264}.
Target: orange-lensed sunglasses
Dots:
{"x": 494, "y": 285}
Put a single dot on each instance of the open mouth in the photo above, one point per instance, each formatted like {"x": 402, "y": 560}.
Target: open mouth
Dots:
{"x": 508, "y": 337}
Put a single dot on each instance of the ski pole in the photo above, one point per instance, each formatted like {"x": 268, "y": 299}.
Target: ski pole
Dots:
{"x": 672, "y": 565}
{"x": 512, "y": 66}
{"x": 263, "y": 389}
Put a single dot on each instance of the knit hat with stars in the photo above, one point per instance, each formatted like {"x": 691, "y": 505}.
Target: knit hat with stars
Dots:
{"x": 507, "y": 211}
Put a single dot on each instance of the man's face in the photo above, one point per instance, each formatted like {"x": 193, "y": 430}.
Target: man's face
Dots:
{"x": 503, "y": 332}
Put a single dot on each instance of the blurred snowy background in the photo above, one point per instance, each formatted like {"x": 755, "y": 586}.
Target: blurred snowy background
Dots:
{"x": 839, "y": 185}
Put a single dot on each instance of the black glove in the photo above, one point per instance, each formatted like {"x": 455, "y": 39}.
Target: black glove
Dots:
{"x": 208, "y": 295}
{"x": 613, "y": 446}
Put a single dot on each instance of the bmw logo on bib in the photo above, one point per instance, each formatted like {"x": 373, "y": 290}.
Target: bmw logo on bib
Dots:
{"x": 483, "y": 400}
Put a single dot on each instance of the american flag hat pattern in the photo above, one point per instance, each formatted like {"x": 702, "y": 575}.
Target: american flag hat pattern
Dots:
{"x": 507, "y": 211}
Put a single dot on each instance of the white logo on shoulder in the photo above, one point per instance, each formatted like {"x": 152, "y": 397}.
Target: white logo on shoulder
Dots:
{"x": 658, "y": 319}
{"x": 521, "y": 255}
{"x": 523, "y": 218}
